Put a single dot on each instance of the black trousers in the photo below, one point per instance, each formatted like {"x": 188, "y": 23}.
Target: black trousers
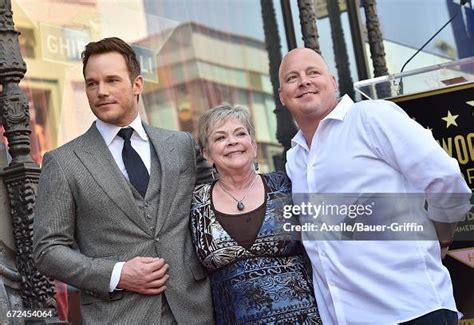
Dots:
{"x": 437, "y": 317}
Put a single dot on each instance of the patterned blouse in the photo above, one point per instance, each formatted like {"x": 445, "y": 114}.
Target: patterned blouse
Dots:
{"x": 266, "y": 284}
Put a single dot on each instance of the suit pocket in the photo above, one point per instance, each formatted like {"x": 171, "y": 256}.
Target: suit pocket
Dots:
{"x": 88, "y": 297}
{"x": 198, "y": 271}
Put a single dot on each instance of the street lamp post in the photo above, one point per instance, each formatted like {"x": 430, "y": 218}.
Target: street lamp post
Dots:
{"x": 22, "y": 174}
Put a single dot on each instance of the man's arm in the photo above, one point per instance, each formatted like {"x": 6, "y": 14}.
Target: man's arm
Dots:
{"x": 54, "y": 235}
{"x": 412, "y": 150}
{"x": 445, "y": 233}
{"x": 54, "y": 226}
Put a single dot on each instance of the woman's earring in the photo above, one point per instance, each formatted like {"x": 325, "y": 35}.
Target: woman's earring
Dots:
{"x": 255, "y": 164}
{"x": 214, "y": 172}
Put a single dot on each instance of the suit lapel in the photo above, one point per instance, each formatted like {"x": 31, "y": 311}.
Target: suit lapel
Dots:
{"x": 167, "y": 157}
{"x": 98, "y": 160}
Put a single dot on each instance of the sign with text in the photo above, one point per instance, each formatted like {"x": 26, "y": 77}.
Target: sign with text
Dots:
{"x": 63, "y": 45}
{"x": 147, "y": 59}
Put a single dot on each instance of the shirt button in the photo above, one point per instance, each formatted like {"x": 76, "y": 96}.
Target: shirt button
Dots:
{"x": 157, "y": 239}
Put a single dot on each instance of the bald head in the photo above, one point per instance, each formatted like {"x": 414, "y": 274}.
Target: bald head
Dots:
{"x": 298, "y": 54}
{"x": 307, "y": 88}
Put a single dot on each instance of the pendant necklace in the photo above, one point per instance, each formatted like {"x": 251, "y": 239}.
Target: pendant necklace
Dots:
{"x": 240, "y": 203}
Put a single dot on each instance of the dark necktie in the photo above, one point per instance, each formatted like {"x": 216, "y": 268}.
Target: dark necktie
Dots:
{"x": 137, "y": 172}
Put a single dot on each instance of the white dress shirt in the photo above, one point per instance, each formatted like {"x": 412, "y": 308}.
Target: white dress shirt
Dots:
{"x": 141, "y": 144}
{"x": 374, "y": 147}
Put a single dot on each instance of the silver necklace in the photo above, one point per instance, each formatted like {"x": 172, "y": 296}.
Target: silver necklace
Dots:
{"x": 240, "y": 203}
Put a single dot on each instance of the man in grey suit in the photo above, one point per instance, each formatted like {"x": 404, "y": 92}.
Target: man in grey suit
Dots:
{"x": 113, "y": 206}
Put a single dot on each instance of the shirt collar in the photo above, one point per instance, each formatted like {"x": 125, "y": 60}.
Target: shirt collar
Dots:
{"x": 109, "y": 131}
{"x": 299, "y": 139}
{"x": 338, "y": 113}
{"x": 341, "y": 109}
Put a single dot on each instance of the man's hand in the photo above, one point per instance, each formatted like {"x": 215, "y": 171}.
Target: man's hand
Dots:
{"x": 145, "y": 275}
{"x": 445, "y": 232}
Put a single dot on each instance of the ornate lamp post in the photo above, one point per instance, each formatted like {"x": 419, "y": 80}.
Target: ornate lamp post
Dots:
{"x": 22, "y": 174}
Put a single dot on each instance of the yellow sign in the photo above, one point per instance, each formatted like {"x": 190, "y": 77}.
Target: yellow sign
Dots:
{"x": 466, "y": 321}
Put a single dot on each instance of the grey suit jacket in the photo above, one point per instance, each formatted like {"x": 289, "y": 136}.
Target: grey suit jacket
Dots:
{"x": 83, "y": 198}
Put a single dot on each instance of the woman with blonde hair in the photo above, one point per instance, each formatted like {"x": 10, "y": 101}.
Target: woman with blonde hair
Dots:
{"x": 256, "y": 268}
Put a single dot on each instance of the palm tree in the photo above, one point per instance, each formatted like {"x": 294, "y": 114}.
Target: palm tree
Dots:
{"x": 340, "y": 49}
{"x": 309, "y": 28}
{"x": 286, "y": 128}
{"x": 377, "y": 50}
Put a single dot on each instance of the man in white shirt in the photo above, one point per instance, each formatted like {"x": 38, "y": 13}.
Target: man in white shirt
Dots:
{"x": 370, "y": 147}
{"x": 122, "y": 193}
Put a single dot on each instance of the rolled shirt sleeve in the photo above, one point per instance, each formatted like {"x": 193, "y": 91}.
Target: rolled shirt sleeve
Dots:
{"x": 412, "y": 150}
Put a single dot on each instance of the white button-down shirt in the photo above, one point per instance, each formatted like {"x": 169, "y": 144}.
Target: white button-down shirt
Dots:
{"x": 374, "y": 147}
{"x": 114, "y": 142}
{"x": 141, "y": 144}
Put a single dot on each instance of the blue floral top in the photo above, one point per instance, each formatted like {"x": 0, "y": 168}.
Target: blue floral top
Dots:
{"x": 266, "y": 284}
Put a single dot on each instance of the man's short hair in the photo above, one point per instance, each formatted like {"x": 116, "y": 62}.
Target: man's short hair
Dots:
{"x": 112, "y": 44}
